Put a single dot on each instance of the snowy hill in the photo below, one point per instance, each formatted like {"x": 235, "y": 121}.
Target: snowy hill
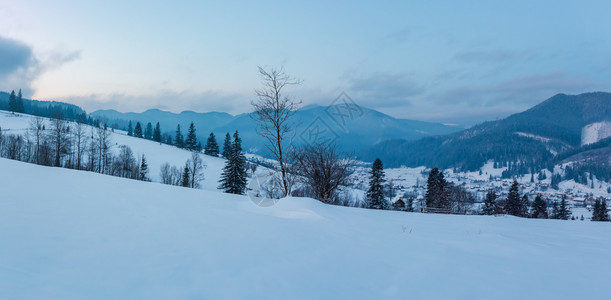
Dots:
{"x": 79, "y": 235}
{"x": 156, "y": 153}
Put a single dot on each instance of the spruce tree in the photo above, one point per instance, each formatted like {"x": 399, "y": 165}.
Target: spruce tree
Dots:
{"x": 138, "y": 130}
{"x": 212, "y": 148}
{"x": 227, "y": 146}
{"x": 555, "y": 211}
{"x": 233, "y": 178}
{"x": 144, "y": 170}
{"x": 564, "y": 212}
{"x": 514, "y": 204}
{"x": 375, "y": 194}
{"x": 19, "y": 103}
{"x": 604, "y": 214}
{"x": 186, "y": 176}
{"x": 130, "y": 129}
{"x": 539, "y": 208}
{"x": 12, "y": 102}
{"x": 157, "y": 133}
{"x": 489, "y": 207}
{"x": 436, "y": 190}
{"x": 148, "y": 132}
{"x": 178, "y": 138}
{"x": 524, "y": 205}
{"x": 191, "y": 141}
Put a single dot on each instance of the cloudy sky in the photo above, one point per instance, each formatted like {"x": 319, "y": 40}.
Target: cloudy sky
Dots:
{"x": 448, "y": 61}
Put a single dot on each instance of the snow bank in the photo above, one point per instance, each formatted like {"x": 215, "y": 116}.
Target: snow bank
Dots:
{"x": 78, "y": 235}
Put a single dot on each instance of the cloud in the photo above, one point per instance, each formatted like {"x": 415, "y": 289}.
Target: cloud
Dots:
{"x": 486, "y": 56}
{"x": 529, "y": 89}
{"x": 20, "y": 66}
{"x": 384, "y": 90}
{"x": 175, "y": 101}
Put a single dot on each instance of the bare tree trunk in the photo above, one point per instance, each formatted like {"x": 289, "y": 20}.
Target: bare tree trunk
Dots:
{"x": 273, "y": 111}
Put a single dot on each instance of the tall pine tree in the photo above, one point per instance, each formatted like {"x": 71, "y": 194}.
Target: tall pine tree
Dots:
{"x": 148, "y": 132}
{"x": 130, "y": 129}
{"x": 186, "y": 176}
{"x": 375, "y": 194}
{"x": 233, "y": 179}
{"x": 436, "y": 190}
{"x": 144, "y": 170}
{"x": 157, "y": 133}
{"x": 178, "y": 138}
{"x": 19, "y": 103}
{"x": 191, "y": 141}
{"x": 227, "y": 146}
{"x": 514, "y": 204}
{"x": 138, "y": 130}
{"x": 12, "y": 102}
{"x": 212, "y": 148}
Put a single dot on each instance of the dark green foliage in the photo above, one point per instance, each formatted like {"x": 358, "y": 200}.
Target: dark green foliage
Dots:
{"x": 234, "y": 178}
{"x": 437, "y": 190}
{"x": 157, "y": 133}
{"x": 539, "y": 208}
{"x": 191, "y": 141}
{"x": 186, "y": 176}
{"x": 212, "y": 147}
{"x": 130, "y": 129}
{"x": 227, "y": 146}
{"x": 148, "y": 132}
{"x": 178, "y": 138}
{"x": 489, "y": 207}
{"x": 19, "y": 103}
{"x": 514, "y": 203}
{"x": 562, "y": 212}
{"x": 138, "y": 130}
{"x": 12, "y": 102}
{"x": 144, "y": 170}
{"x": 600, "y": 212}
{"x": 375, "y": 194}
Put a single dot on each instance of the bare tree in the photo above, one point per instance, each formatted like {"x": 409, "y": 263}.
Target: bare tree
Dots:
{"x": 196, "y": 169}
{"x": 273, "y": 111}
{"x": 58, "y": 135}
{"x": 103, "y": 145}
{"x": 323, "y": 170}
{"x": 80, "y": 140}
{"x": 37, "y": 128}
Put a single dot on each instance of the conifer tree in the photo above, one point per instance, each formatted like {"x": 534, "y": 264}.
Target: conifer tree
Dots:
{"x": 524, "y": 205}
{"x": 138, "y": 130}
{"x": 539, "y": 208}
{"x": 600, "y": 212}
{"x": 375, "y": 194}
{"x": 514, "y": 204}
{"x": 19, "y": 103}
{"x": 191, "y": 141}
{"x": 157, "y": 133}
{"x": 227, "y": 146}
{"x": 144, "y": 170}
{"x": 233, "y": 178}
{"x": 564, "y": 212}
{"x": 212, "y": 148}
{"x": 148, "y": 132}
{"x": 12, "y": 102}
{"x": 489, "y": 207}
{"x": 436, "y": 192}
{"x": 130, "y": 129}
{"x": 186, "y": 175}
{"x": 555, "y": 211}
{"x": 178, "y": 138}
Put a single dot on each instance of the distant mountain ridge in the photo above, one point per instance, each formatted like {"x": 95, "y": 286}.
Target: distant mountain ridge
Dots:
{"x": 353, "y": 133}
{"x": 535, "y": 136}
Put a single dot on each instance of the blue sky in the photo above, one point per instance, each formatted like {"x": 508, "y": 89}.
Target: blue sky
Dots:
{"x": 453, "y": 62}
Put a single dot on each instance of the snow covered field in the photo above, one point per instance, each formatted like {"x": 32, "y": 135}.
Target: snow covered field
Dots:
{"x": 67, "y": 234}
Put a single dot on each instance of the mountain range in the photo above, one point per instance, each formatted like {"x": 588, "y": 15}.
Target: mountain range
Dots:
{"x": 553, "y": 129}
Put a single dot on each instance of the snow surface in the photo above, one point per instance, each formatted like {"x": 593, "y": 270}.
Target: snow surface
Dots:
{"x": 69, "y": 234}
{"x": 595, "y": 132}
